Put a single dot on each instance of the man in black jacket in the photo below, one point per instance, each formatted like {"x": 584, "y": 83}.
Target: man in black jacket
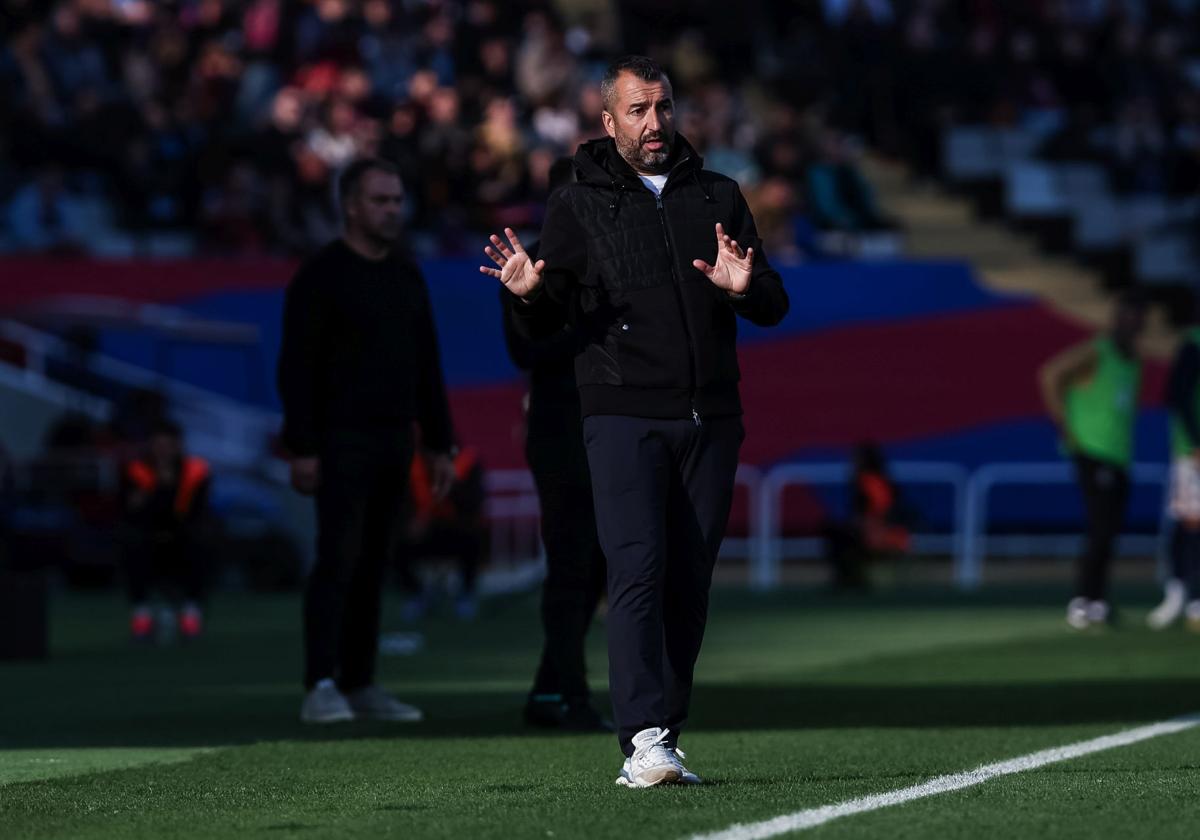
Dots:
{"x": 574, "y": 583}
{"x": 359, "y": 364}
{"x": 653, "y": 258}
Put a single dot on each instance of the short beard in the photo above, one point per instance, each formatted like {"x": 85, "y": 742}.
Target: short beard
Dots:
{"x": 639, "y": 158}
{"x": 382, "y": 237}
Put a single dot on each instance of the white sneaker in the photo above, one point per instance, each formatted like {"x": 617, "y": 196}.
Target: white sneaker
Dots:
{"x": 1097, "y": 612}
{"x": 376, "y": 704}
{"x": 1192, "y": 615}
{"x": 652, "y": 761}
{"x": 1171, "y": 608}
{"x": 325, "y": 704}
{"x": 1077, "y": 613}
{"x": 687, "y": 777}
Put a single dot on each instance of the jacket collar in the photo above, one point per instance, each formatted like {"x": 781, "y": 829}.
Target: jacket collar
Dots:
{"x": 598, "y": 162}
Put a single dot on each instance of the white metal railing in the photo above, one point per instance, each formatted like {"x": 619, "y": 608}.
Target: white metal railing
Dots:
{"x": 767, "y": 559}
{"x": 750, "y": 479}
{"x": 968, "y": 572}
{"x": 513, "y": 513}
{"x": 224, "y": 429}
{"x": 233, "y": 434}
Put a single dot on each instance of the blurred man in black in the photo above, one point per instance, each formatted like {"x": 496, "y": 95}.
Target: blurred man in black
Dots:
{"x": 574, "y": 562}
{"x": 359, "y": 365}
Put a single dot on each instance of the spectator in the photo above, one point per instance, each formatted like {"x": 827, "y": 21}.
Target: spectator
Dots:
{"x": 452, "y": 527}
{"x": 154, "y": 109}
{"x": 45, "y": 217}
{"x": 1181, "y": 593}
{"x": 165, "y": 498}
{"x": 839, "y": 197}
{"x": 1091, "y": 394}
{"x": 878, "y": 525}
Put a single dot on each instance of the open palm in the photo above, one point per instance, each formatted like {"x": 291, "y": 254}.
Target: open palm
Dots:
{"x": 731, "y": 271}
{"x": 519, "y": 274}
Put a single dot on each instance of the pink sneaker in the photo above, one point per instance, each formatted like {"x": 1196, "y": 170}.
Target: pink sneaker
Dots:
{"x": 191, "y": 622}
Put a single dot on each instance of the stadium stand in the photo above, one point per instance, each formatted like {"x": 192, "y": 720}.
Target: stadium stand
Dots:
{"x": 213, "y": 128}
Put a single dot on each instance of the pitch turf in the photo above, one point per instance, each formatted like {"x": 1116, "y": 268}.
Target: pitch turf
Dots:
{"x": 802, "y": 701}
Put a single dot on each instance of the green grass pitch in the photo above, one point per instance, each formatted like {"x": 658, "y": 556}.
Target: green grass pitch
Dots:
{"x": 801, "y": 701}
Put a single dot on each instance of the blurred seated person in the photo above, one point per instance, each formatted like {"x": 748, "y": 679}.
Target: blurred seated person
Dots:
{"x": 138, "y": 412}
{"x": 165, "y": 499}
{"x": 43, "y": 216}
{"x": 839, "y": 197}
{"x": 878, "y": 524}
{"x": 453, "y": 527}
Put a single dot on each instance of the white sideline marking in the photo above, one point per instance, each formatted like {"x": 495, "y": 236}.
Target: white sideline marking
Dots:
{"x": 813, "y": 817}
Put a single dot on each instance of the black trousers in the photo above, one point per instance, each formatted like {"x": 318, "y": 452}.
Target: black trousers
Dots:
{"x": 171, "y": 560}
{"x": 1105, "y": 490}
{"x": 574, "y": 581}
{"x": 662, "y": 490}
{"x": 847, "y": 553}
{"x": 360, "y": 507}
{"x": 1185, "y": 558}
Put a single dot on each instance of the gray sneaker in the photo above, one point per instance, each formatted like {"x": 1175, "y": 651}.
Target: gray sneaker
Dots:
{"x": 375, "y": 703}
{"x": 325, "y": 704}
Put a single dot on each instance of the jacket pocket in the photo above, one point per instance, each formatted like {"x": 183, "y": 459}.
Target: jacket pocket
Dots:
{"x": 655, "y": 343}
{"x": 599, "y": 364}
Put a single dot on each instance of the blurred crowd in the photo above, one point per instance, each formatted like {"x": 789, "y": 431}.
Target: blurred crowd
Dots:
{"x": 228, "y": 118}
{"x": 1111, "y": 81}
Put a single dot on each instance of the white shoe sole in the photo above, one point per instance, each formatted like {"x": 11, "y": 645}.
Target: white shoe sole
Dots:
{"x": 336, "y": 717}
{"x": 1162, "y": 621}
{"x": 665, "y": 777}
{"x": 415, "y": 716}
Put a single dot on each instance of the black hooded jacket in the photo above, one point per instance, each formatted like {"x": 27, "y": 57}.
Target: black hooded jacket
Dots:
{"x": 658, "y": 336}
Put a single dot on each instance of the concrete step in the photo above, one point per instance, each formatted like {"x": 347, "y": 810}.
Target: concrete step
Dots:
{"x": 938, "y": 225}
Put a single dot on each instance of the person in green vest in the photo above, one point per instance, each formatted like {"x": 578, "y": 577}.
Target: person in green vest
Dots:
{"x": 1181, "y": 594}
{"x": 1091, "y": 394}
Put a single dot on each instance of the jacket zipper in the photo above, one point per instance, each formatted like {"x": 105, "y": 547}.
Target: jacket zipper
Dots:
{"x": 678, "y": 286}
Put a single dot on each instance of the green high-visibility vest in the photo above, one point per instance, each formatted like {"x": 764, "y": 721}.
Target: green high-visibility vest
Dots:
{"x": 1181, "y": 447}
{"x": 1102, "y": 409}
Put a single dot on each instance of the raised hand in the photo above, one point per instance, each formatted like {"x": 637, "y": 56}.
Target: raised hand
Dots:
{"x": 443, "y": 475}
{"x": 519, "y": 274}
{"x": 731, "y": 271}
{"x": 306, "y": 474}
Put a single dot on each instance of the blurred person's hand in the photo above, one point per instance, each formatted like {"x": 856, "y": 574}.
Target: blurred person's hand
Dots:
{"x": 731, "y": 271}
{"x": 442, "y": 476}
{"x": 516, "y": 271}
{"x": 306, "y": 474}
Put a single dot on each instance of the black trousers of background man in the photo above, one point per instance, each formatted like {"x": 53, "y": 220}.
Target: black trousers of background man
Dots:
{"x": 1105, "y": 496}
{"x": 574, "y": 562}
{"x": 360, "y": 508}
{"x": 663, "y": 490}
